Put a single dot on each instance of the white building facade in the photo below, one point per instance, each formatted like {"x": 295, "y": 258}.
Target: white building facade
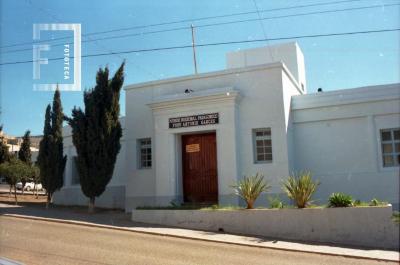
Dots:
{"x": 189, "y": 139}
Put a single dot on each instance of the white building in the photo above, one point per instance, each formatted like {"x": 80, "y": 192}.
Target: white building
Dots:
{"x": 188, "y": 139}
{"x": 14, "y": 144}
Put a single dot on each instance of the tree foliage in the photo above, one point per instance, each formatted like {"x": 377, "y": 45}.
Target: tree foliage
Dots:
{"x": 15, "y": 171}
{"x": 4, "y": 154}
{"x": 24, "y": 153}
{"x": 44, "y": 160}
{"x": 96, "y": 133}
{"x": 57, "y": 151}
{"x": 35, "y": 175}
{"x": 51, "y": 159}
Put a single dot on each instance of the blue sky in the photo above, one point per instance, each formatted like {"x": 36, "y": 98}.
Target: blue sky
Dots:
{"x": 332, "y": 63}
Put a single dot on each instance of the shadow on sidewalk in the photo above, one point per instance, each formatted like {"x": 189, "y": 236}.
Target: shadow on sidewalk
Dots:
{"x": 121, "y": 219}
{"x": 72, "y": 213}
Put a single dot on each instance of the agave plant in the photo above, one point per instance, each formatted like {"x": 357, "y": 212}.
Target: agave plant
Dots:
{"x": 249, "y": 188}
{"x": 300, "y": 187}
{"x": 340, "y": 200}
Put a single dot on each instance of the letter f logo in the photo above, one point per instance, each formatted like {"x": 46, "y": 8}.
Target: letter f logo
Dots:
{"x": 37, "y": 61}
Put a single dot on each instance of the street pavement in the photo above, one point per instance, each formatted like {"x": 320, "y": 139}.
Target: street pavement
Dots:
{"x": 41, "y": 242}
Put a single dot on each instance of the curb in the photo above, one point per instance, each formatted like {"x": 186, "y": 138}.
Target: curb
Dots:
{"x": 87, "y": 224}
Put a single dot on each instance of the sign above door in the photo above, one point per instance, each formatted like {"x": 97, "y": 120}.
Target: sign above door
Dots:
{"x": 194, "y": 120}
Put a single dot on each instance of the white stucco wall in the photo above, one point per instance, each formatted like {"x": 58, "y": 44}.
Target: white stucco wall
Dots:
{"x": 358, "y": 226}
{"x": 371, "y": 227}
{"x": 289, "y": 53}
{"x": 337, "y": 137}
{"x": 259, "y": 103}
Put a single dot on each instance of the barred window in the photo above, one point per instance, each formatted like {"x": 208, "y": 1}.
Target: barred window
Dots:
{"x": 390, "y": 140}
{"x": 262, "y": 145}
{"x": 144, "y": 153}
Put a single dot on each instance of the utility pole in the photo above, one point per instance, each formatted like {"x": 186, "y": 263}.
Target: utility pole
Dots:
{"x": 194, "y": 50}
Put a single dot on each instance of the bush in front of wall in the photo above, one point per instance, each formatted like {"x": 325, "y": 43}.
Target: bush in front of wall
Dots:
{"x": 249, "y": 188}
{"x": 396, "y": 218}
{"x": 275, "y": 202}
{"x": 376, "y": 202}
{"x": 300, "y": 187}
{"x": 340, "y": 200}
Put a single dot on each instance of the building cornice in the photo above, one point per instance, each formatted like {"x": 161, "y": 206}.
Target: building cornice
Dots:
{"x": 274, "y": 65}
{"x": 209, "y": 96}
{"x": 347, "y": 96}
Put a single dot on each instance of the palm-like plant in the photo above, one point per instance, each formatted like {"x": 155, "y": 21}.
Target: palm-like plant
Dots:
{"x": 249, "y": 188}
{"x": 300, "y": 187}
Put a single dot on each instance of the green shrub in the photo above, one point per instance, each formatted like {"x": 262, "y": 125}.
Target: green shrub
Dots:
{"x": 340, "y": 200}
{"x": 376, "y": 202}
{"x": 249, "y": 188}
{"x": 359, "y": 203}
{"x": 275, "y": 202}
{"x": 300, "y": 187}
{"x": 396, "y": 217}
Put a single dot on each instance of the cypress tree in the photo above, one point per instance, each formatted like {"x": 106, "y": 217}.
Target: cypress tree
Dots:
{"x": 51, "y": 160}
{"x": 44, "y": 155}
{"x": 96, "y": 134}
{"x": 24, "y": 153}
{"x": 4, "y": 154}
{"x": 57, "y": 159}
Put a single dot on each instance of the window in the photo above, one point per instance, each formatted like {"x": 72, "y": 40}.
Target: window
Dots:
{"x": 144, "y": 153}
{"x": 262, "y": 145}
{"x": 390, "y": 139}
{"x": 74, "y": 172}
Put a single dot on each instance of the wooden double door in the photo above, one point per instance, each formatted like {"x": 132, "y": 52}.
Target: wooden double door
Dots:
{"x": 200, "y": 172}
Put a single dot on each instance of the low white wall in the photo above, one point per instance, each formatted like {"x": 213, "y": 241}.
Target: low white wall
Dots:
{"x": 358, "y": 226}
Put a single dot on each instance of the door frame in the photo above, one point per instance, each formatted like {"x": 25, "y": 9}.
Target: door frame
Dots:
{"x": 181, "y": 160}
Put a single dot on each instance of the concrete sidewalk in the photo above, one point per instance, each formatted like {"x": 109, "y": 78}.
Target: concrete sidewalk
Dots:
{"x": 119, "y": 220}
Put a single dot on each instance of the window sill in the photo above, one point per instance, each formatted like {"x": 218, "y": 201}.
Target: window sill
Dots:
{"x": 262, "y": 162}
{"x": 389, "y": 169}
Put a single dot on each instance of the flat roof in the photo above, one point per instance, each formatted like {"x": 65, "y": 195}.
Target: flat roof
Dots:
{"x": 279, "y": 64}
{"x": 347, "y": 96}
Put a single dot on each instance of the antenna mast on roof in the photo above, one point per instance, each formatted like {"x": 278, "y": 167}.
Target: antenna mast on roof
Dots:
{"x": 194, "y": 50}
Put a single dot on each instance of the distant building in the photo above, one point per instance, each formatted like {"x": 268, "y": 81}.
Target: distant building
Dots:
{"x": 14, "y": 144}
{"x": 188, "y": 139}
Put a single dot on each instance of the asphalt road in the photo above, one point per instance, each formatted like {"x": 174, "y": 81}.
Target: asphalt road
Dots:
{"x": 39, "y": 242}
